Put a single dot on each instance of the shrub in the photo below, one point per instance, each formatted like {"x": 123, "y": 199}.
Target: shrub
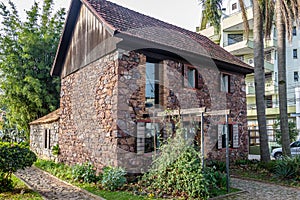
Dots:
{"x": 13, "y": 156}
{"x": 113, "y": 178}
{"x": 84, "y": 173}
{"x": 177, "y": 170}
{"x": 288, "y": 168}
{"x": 55, "y": 150}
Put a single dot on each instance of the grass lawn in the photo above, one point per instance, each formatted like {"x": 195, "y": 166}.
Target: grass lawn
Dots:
{"x": 21, "y": 191}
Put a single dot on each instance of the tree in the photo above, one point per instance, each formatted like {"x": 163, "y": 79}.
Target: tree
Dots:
{"x": 293, "y": 132}
{"x": 286, "y": 13}
{"x": 27, "y": 50}
{"x": 259, "y": 78}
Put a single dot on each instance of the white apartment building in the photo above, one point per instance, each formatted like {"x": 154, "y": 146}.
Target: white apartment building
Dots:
{"x": 232, "y": 38}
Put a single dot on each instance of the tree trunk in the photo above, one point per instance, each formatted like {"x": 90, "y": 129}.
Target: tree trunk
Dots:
{"x": 259, "y": 78}
{"x": 281, "y": 50}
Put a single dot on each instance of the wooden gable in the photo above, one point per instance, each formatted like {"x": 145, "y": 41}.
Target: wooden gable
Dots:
{"x": 90, "y": 41}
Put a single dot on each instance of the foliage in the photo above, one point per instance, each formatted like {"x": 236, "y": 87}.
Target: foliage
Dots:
{"x": 59, "y": 170}
{"x": 13, "y": 156}
{"x": 288, "y": 168}
{"x": 10, "y": 133}
{"x": 293, "y": 132}
{"x": 216, "y": 164}
{"x": 27, "y": 51}
{"x": 55, "y": 150}
{"x": 84, "y": 173}
{"x": 64, "y": 172}
{"x": 113, "y": 178}
{"x": 20, "y": 191}
{"x": 177, "y": 170}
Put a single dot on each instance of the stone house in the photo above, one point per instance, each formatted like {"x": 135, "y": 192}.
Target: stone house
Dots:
{"x": 44, "y": 135}
{"x": 121, "y": 70}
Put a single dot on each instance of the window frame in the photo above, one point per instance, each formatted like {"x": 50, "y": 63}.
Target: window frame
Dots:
{"x": 234, "y": 6}
{"x": 294, "y": 32}
{"x": 225, "y": 88}
{"x": 296, "y": 76}
{"x": 295, "y": 54}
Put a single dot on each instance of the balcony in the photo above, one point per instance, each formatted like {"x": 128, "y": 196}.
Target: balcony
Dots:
{"x": 234, "y": 22}
{"x": 239, "y": 45}
{"x": 211, "y": 33}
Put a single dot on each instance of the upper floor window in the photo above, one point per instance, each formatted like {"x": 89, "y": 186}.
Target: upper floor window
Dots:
{"x": 294, "y": 31}
{"x": 152, "y": 83}
{"x": 225, "y": 83}
{"x": 296, "y": 76}
{"x": 234, "y": 6}
{"x": 295, "y": 53}
{"x": 234, "y": 38}
{"x": 268, "y": 101}
{"x": 192, "y": 77}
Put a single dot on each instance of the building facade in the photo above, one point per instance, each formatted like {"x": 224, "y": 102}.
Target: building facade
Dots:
{"x": 125, "y": 76}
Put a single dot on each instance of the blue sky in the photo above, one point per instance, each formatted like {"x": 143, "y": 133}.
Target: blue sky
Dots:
{"x": 183, "y": 13}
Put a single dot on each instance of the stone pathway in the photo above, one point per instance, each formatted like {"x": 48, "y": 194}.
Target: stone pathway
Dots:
{"x": 50, "y": 187}
{"x": 262, "y": 191}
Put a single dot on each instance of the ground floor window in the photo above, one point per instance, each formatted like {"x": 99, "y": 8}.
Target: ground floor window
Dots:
{"x": 47, "y": 136}
{"x": 233, "y": 136}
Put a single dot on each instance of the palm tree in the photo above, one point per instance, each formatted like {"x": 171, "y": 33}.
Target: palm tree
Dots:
{"x": 259, "y": 78}
{"x": 286, "y": 13}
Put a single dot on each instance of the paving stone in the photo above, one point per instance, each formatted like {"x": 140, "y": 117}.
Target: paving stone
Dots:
{"x": 262, "y": 191}
{"x": 50, "y": 187}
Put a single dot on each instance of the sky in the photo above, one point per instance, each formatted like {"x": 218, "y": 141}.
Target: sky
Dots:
{"x": 183, "y": 13}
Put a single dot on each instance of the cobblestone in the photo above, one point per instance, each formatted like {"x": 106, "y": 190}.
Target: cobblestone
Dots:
{"x": 262, "y": 191}
{"x": 50, "y": 187}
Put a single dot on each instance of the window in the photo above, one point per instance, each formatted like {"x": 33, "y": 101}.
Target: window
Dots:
{"x": 234, "y": 6}
{"x": 192, "y": 77}
{"x": 47, "y": 136}
{"x": 233, "y": 136}
{"x": 268, "y": 101}
{"x": 152, "y": 137}
{"x": 296, "y": 76}
{"x": 225, "y": 83}
{"x": 294, "y": 31}
{"x": 295, "y": 53}
{"x": 234, "y": 38}
{"x": 152, "y": 83}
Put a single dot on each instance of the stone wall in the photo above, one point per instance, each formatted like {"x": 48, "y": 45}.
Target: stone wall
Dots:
{"x": 89, "y": 114}
{"x": 175, "y": 94}
{"x": 103, "y": 102}
{"x": 37, "y": 139}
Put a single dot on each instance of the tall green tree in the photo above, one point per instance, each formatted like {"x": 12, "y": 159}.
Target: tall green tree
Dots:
{"x": 287, "y": 14}
{"x": 27, "y": 51}
{"x": 259, "y": 76}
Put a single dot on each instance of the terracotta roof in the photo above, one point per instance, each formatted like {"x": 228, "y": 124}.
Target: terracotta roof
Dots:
{"x": 136, "y": 24}
{"x": 121, "y": 20}
{"x": 51, "y": 117}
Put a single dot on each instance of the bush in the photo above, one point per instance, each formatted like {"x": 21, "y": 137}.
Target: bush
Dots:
{"x": 13, "y": 156}
{"x": 84, "y": 173}
{"x": 288, "y": 168}
{"x": 113, "y": 178}
{"x": 177, "y": 170}
{"x": 55, "y": 150}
